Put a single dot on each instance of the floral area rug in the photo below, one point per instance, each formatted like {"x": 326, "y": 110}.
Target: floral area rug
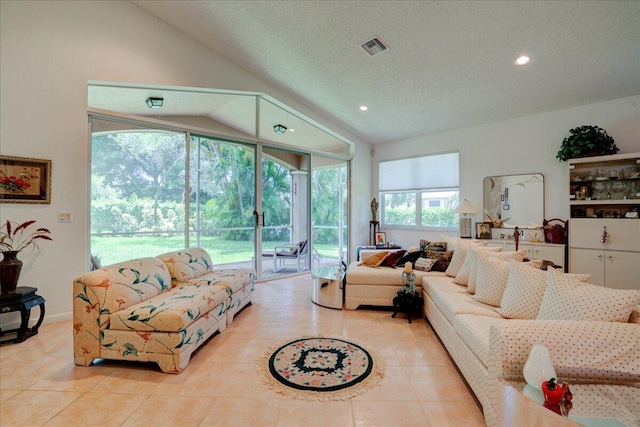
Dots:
{"x": 320, "y": 368}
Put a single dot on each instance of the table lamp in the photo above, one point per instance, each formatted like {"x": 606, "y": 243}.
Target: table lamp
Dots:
{"x": 465, "y": 207}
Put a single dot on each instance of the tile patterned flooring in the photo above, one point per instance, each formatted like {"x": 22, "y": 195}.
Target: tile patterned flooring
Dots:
{"x": 40, "y": 385}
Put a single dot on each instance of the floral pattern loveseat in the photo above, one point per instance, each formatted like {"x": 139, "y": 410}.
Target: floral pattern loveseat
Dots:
{"x": 156, "y": 309}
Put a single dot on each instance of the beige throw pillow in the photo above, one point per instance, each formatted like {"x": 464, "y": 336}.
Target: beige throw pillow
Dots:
{"x": 450, "y": 241}
{"x": 460, "y": 254}
{"x": 462, "y": 278}
{"x": 569, "y": 299}
{"x": 505, "y": 256}
{"x": 525, "y": 288}
{"x": 491, "y": 280}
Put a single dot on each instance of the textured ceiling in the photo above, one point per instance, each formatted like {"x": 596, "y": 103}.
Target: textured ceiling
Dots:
{"x": 450, "y": 63}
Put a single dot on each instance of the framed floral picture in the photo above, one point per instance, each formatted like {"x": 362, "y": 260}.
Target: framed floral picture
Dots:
{"x": 25, "y": 180}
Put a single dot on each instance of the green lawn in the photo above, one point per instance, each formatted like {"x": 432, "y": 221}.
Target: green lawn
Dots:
{"x": 112, "y": 249}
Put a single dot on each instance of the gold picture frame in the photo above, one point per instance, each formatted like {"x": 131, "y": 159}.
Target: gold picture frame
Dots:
{"x": 25, "y": 180}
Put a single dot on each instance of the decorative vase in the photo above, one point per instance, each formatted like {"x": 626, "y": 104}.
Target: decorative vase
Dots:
{"x": 538, "y": 367}
{"x": 10, "y": 267}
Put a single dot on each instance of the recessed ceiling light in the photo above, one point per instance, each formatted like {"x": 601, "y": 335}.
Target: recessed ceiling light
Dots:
{"x": 363, "y": 108}
{"x": 291, "y": 130}
{"x": 523, "y": 60}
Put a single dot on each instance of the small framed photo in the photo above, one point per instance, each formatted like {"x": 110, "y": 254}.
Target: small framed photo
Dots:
{"x": 381, "y": 239}
{"x": 25, "y": 180}
{"x": 483, "y": 230}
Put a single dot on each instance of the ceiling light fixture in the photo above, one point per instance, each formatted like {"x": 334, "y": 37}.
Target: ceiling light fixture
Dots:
{"x": 363, "y": 108}
{"x": 155, "y": 102}
{"x": 279, "y": 129}
{"x": 523, "y": 60}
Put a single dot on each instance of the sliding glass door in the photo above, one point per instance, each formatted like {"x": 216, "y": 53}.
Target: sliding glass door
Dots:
{"x": 330, "y": 210}
{"x": 284, "y": 217}
{"x": 137, "y": 191}
{"x": 152, "y": 192}
{"x": 222, "y": 200}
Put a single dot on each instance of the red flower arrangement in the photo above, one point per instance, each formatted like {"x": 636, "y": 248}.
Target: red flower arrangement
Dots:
{"x": 15, "y": 237}
{"x": 13, "y": 184}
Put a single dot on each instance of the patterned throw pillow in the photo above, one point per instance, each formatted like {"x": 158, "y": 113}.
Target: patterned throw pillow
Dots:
{"x": 525, "y": 288}
{"x": 374, "y": 260}
{"x": 424, "y": 264}
{"x": 443, "y": 259}
{"x": 393, "y": 258}
{"x": 462, "y": 278}
{"x": 505, "y": 256}
{"x": 568, "y": 299}
{"x": 459, "y": 255}
{"x": 426, "y": 245}
{"x": 491, "y": 280}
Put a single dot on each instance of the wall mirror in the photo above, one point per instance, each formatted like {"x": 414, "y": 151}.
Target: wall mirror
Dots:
{"x": 514, "y": 200}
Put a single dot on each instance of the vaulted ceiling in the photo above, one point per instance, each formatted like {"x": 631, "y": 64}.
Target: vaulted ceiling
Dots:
{"x": 449, "y": 64}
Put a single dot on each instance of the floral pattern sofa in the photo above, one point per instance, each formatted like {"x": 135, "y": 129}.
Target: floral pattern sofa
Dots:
{"x": 156, "y": 309}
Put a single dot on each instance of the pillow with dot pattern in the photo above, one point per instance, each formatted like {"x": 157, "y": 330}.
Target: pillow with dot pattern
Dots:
{"x": 459, "y": 255}
{"x": 569, "y": 299}
{"x": 491, "y": 280}
{"x": 462, "y": 278}
{"x": 473, "y": 268}
{"x": 525, "y": 288}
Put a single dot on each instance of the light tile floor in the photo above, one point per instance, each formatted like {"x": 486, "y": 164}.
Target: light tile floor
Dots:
{"x": 40, "y": 385}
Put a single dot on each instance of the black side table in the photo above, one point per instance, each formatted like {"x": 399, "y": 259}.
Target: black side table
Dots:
{"x": 408, "y": 303}
{"x": 22, "y": 300}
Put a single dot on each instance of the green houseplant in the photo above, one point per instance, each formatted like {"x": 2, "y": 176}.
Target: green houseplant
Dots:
{"x": 586, "y": 141}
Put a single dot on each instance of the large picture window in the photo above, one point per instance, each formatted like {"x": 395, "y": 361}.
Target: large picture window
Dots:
{"x": 419, "y": 192}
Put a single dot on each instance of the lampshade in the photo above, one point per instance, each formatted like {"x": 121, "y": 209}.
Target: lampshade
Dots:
{"x": 279, "y": 129}
{"x": 465, "y": 207}
{"x": 155, "y": 102}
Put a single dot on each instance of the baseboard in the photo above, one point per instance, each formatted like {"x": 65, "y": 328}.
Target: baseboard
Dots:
{"x": 14, "y": 322}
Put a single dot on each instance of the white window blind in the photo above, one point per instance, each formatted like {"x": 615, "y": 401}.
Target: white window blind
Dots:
{"x": 434, "y": 171}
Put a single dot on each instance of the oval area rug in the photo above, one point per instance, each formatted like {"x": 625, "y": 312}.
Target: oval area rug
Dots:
{"x": 320, "y": 368}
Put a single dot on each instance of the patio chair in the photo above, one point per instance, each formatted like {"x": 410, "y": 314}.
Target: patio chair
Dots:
{"x": 281, "y": 253}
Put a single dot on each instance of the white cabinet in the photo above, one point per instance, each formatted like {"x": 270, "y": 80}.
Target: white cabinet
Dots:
{"x": 613, "y": 269}
{"x": 604, "y": 238}
{"x": 613, "y": 261}
{"x": 547, "y": 251}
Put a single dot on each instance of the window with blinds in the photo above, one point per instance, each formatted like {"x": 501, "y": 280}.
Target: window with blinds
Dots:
{"x": 419, "y": 191}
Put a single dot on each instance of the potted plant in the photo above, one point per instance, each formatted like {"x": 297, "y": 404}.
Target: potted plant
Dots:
{"x": 14, "y": 238}
{"x": 586, "y": 141}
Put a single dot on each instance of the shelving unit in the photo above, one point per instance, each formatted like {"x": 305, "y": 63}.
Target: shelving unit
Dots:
{"x": 604, "y": 237}
{"x": 604, "y": 186}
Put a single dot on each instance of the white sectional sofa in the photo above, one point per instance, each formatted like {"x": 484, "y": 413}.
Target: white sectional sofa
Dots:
{"x": 488, "y": 347}
{"x": 156, "y": 309}
{"x": 367, "y": 286}
{"x": 488, "y": 312}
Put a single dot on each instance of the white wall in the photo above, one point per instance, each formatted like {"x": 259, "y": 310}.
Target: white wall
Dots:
{"x": 49, "y": 50}
{"x": 523, "y": 145}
